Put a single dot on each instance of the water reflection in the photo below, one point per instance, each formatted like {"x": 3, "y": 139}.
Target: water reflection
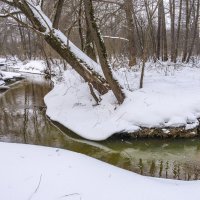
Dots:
{"x": 23, "y": 120}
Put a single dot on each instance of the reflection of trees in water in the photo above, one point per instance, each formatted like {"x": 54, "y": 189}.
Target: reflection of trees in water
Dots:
{"x": 163, "y": 169}
{"x": 22, "y": 113}
{"x": 25, "y": 116}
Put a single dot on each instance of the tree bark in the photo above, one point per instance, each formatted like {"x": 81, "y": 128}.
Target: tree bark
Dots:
{"x": 164, "y": 33}
{"x": 58, "y": 11}
{"x": 151, "y": 29}
{"x": 159, "y": 31}
{"x": 178, "y": 31}
{"x": 188, "y": 9}
{"x": 194, "y": 32}
{"x": 172, "y": 16}
{"x": 128, "y": 7}
{"x": 80, "y": 26}
{"x": 101, "y": 49}
{"x": 89, "y": 46}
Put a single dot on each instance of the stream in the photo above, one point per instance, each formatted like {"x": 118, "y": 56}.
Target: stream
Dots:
{"x": 23, "y": 120}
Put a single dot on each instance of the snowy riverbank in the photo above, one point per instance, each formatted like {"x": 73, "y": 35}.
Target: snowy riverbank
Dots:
{"x": 7, "y": 76}
{"x": 170, "y": 98}
{"x": 33, "y": 172}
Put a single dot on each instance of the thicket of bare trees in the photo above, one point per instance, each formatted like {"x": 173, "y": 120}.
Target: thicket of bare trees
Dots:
{"x": 156, "y": 29}
{"x": 170, "y": 26}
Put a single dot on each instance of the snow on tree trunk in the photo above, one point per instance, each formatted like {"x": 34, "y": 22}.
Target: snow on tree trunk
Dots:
{"x": 79, "y": 61}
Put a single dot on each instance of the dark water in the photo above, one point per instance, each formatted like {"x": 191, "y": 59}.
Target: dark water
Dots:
{"x": 23, "y": 120}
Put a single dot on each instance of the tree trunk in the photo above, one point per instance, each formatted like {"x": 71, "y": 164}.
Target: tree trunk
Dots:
{"x": 159, "y": 31}
{"x": 128, "y": 7}
{"x": 172, "y": 16}
{"x": 58, "y": 11}
{"x": 178, "y": 31}
{"x": 188, "y": 15}
{"x": 164, "y": 33}
{"x": 101, "y": 49}
{"x": 89, "y": 46}
{"x": 194, "y": 32}
{"x": 80, "y": 26}
{"x": 151, "y": 29}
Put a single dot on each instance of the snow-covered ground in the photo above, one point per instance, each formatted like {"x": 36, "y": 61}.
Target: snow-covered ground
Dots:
{"x": 34, "y": 67}
{"x": 7, "y": 75}
{"x": 38, "y": 173}
{"x": 170, "y": 98}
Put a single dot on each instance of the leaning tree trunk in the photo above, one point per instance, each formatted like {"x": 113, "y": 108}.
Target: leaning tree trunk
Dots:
{"x": 60, "y": 44}
{"x": 101, "y": 49}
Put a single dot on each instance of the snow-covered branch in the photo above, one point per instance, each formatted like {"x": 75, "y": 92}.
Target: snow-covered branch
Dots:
{"x": 113, "y": 37}
{"x": 10, "y": 14}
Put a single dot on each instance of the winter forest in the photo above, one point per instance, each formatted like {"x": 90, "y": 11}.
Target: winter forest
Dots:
{"x": 99, "y": 99}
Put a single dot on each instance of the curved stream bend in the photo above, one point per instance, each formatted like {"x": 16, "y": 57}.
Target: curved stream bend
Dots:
{"x": 23, "y": 120}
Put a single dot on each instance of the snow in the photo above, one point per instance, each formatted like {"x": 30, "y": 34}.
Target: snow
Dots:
{"x": 6, "y": 76}
{"x": 9, "y": 75}
{"x": 78, "y": 53}
{"x": 2, "y": 82}
{"x": 34, "y": 67}
{"x": 170, "y": 98}
{"x": 30, "y": 172}
{"x": 2, "y": 60}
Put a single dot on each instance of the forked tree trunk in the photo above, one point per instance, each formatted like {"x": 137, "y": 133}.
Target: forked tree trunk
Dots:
{"x": 101, "y": 49}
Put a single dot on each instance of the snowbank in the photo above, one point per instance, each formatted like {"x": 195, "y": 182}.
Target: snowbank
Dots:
{"x": 170, "y": 98}
{"x": 4, "y": 76}
{"x": 30, "y": 172}
{"x": 9, "y": 75}
{"x": 34, "y": 67}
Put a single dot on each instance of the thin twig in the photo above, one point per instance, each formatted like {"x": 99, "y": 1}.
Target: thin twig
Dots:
{"x": 68, "y": 195}
{"x": 36, "y": 188}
